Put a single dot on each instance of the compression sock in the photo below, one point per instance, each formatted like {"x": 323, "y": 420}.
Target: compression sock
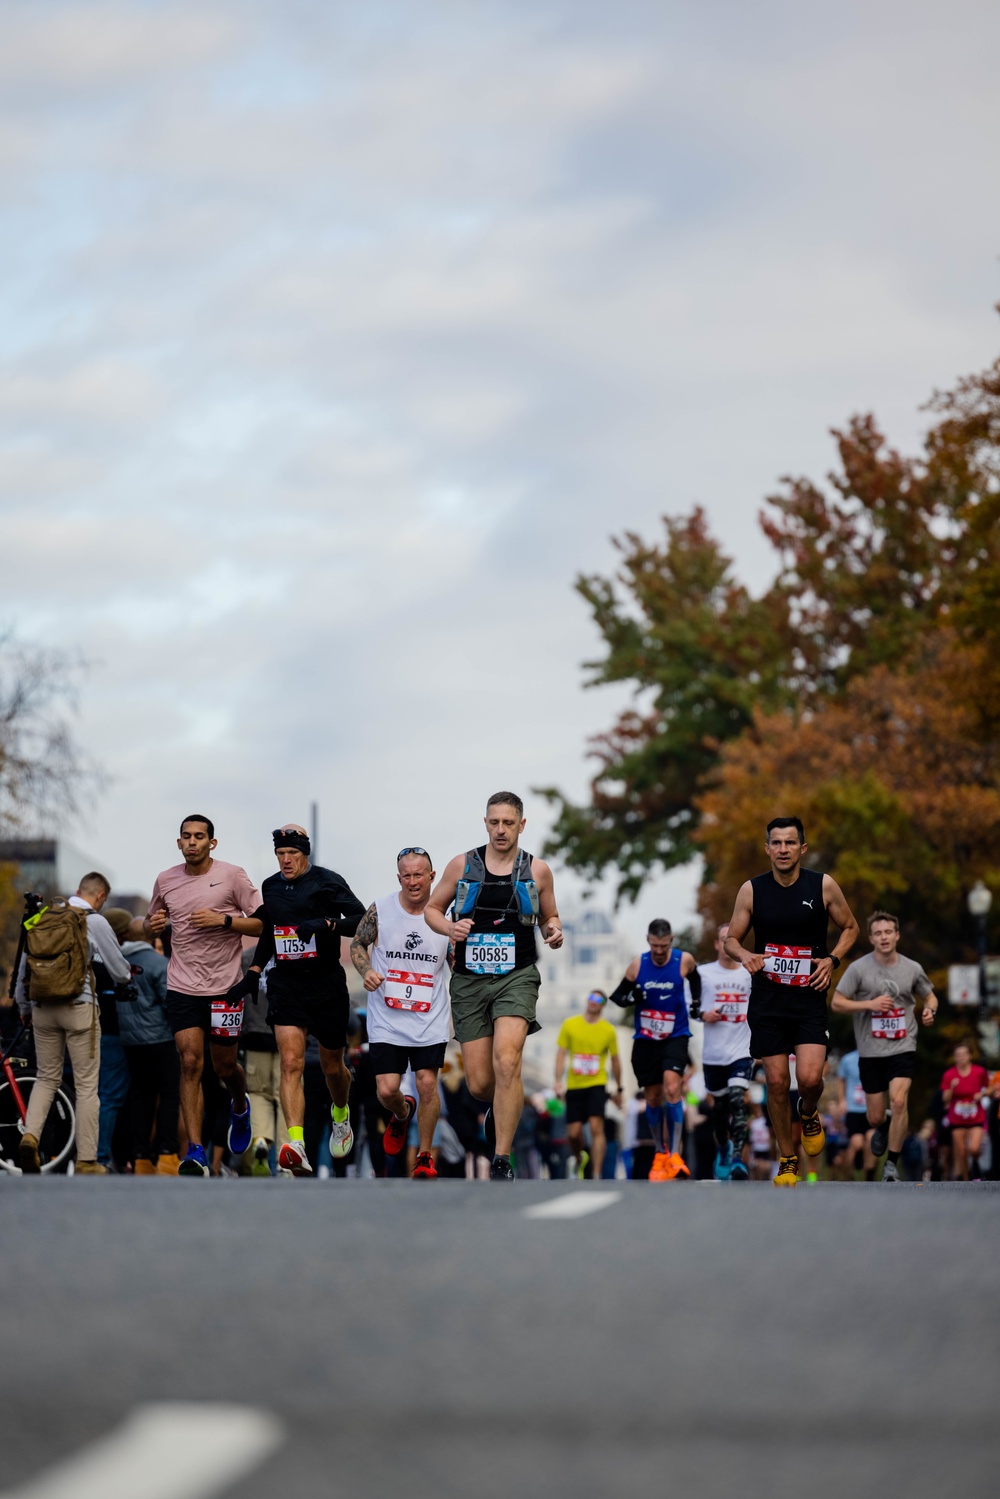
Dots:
{"x": 341, "y": 1115}
{"x": 297, "y": 1134}
{"x": 893, "y": 1156}
{"x": 675, "y": 1126}
{"x": 654, "y": 1118}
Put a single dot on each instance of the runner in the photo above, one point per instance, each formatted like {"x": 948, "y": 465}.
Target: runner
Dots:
{"x": 964, "y": 1086}
{"x": 654, "y": 983}
{"x": 790, "y": 909}
{"x": 588, "y": 1040}
{"x": 305, "y": 911}
{"x": 880, "y": 991}
{"x": 404, "y": 965}
{"x": 499, "y": 894}
{"x": 725, "y": 1059}
{"x": 209, "y": 908}
{"x": 853, "y": 1108}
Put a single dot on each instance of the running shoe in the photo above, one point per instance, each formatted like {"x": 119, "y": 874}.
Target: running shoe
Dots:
{"x": 676, "y": 1167}
{"x": 261, "y": 1158}
{"x": 395, "y": 1131}
{"x": 890, "y": 1172}
{"x": 660, "y": 1169}
{"x": 739, "y": 1172}
{"x": 723, "y": 1168}
{"x": 195, "y": 1163}
{"x": 292, "y": 1157}
{"x": 582, "y": 1164}
{"x": 341, "y": 1137}
{"x": 31, "y": 1162}
{"x": 425, "y": 1165}
{"x": 91, "y": 1168}
{"x": 880, "y": 1138}
{"x": 240, "y": 1133}
{"x": 813, "y": 1133}
{"x": 501, "y": 1169}
{"x": 788, "y": 1172}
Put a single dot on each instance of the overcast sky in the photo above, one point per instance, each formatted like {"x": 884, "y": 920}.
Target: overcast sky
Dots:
{"x": 337, "y": 338}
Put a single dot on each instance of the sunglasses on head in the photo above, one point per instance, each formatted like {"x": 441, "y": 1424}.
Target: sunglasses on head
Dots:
{"x": 414, "y": 850}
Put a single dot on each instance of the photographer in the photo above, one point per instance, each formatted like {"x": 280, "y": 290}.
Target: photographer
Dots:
{"x": 68, "y": 1022}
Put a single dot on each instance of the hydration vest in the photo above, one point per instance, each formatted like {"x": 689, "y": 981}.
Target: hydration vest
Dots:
{"x": 524, "y": 887}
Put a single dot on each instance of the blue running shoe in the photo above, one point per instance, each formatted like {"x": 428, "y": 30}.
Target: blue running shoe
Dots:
{"x": 724, "y": 1162}
{"x": 739, "y": 1173}
{"x": 195, "y": 1163}
{"x": 240, "y": 1133}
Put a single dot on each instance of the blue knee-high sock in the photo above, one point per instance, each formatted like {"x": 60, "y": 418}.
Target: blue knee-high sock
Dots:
{"x": 654, "y": 1118}
{"x": 675, "y": 1125}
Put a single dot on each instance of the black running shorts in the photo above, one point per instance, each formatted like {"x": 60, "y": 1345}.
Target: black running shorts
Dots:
{"x": 856, "y": 1124}
{"x": 324, "y": 1016}
{"x": 721, "y": 1076}
{"x": 585, "y": 1103}
{"x": 194, "y": 1012}
{"x": 386, "y": 1056}
{"x": 877, "y": 1072}
{"x": 651, "y": 1059}
{"x": 782, "y": 1017}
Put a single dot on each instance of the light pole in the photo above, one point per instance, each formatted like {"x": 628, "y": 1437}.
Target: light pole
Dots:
{"x": 979, "y": 900}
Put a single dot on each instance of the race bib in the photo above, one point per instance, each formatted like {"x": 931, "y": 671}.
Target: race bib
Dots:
{"x": 965, "y": 1108}
{"x": 408, "y": 991}
{"x": 889, "y": 1027}
{"x": 656, "y": 1024}
{"x": 289, "y": 945}
{"x": 490, "y": 952}
{"x": 732, "y": 1007}
{"x": 787, "y": 965}
{"x": 585, "y": 1065}
{"x": 227, "y": 1018}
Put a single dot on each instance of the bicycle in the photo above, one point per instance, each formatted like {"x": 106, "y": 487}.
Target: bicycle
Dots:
{"x": 56, "y": 1144}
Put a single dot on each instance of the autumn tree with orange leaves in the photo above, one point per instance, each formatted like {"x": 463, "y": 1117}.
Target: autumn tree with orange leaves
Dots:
{"x": 861, "y": 692}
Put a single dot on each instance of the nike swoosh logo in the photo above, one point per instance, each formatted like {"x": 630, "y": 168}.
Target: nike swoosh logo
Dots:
{"x": 213, "y": 883}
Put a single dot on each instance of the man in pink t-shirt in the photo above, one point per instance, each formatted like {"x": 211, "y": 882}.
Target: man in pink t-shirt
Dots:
{"x": 209, "y": 908}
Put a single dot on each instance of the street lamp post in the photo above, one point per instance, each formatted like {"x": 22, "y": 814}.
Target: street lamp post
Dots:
{"x": 979, "y": 900}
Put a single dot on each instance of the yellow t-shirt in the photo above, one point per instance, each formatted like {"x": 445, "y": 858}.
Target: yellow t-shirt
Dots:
{"x": 588, "y": 1046}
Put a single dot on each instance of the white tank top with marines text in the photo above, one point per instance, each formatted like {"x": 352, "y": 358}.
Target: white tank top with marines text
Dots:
{"x": 411, "y": 1007}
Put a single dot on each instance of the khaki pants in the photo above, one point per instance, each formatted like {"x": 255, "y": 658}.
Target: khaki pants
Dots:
{"x": 263, "y": 1070}
{"x": 58, "y": 1029}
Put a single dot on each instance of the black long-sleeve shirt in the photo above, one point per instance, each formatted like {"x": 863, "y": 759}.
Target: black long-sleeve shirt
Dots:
{"x": 317, "y": 893}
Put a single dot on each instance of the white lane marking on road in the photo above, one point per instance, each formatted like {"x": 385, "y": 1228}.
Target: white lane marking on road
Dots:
{"x": 573, "y": 1205}
{"x": 163, "y": 1451}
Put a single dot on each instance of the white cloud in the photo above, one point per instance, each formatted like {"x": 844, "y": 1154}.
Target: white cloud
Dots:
{"x": 336, "y": 344}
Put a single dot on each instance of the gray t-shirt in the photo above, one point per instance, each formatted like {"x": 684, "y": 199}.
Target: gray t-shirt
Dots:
{"x": 895, "y": 1031}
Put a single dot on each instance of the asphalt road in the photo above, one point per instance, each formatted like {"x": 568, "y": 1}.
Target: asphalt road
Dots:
{"x": 434, "y": 1339}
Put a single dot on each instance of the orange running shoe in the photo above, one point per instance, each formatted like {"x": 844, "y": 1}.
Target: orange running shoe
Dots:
{"x": 660, "y": 1169}
{"x": 676, "y": 1167}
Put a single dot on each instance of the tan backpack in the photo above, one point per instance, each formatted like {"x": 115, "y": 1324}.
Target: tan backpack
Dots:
{"x": 57, "y": 953}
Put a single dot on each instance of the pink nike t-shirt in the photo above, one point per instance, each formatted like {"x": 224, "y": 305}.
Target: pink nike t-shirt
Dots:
{"x": 207, "y": 961}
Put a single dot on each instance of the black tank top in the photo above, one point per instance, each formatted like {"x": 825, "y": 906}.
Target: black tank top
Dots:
{"x": 790, "y": 915}
{"x": 496, "y": 915}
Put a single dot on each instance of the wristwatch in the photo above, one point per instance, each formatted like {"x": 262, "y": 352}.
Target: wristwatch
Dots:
{"x": 227, "y": 922}
{"x": 833, "y": 960}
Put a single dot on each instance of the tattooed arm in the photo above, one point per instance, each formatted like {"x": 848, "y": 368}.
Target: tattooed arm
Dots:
{"x": 363, "y": 940}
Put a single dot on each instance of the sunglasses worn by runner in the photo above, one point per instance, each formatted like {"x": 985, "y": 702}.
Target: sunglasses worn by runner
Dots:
{"x": 414, "y": 850}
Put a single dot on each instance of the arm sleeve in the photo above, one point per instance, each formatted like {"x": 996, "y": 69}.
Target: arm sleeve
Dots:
{"x": 626, "y": 994}
{"x": 104, "y": 945}
{"x": 264, "y": 951}
{"x": 694, "y": 980}
{"x": 348, "y": 909}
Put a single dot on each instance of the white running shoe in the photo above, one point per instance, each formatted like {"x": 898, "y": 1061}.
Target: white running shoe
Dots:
{"x": 341, "y": 1137}
{"x": 292, "y": 1157}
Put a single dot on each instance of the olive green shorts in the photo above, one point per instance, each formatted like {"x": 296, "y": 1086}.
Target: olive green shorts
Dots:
{"x": 478, "y": 999}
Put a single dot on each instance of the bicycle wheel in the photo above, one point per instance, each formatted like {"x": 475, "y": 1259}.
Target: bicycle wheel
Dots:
{"x": 58, "y": 1135}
